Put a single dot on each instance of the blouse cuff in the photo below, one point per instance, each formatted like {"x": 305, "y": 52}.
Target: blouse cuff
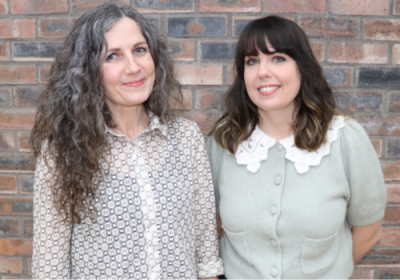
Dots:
{"x": 210, "y": 269}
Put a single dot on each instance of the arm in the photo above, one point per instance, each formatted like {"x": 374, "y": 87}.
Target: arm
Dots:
{"x": 208, "y": 262}
{"x": 364, "y": 238}
{"x": 51, "y": 239}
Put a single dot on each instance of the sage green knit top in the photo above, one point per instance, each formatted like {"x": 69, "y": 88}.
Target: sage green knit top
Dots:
{"x": 287, "y": 213}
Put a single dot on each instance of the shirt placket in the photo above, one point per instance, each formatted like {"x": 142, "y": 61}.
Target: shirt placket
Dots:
{"x": 149, "y": 208}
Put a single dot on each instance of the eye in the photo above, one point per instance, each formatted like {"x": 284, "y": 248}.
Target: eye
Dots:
{"x": 250, "y": 61}
{"x": 279, "y": 58}
{"x": 112, "y": 56}
{"x": 140, "y": 50}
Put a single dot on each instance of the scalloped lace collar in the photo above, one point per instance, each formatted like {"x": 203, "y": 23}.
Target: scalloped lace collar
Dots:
{"x": 255, "y": 149}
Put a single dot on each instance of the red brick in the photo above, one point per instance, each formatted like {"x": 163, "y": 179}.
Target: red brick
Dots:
{"x": 6, "y": 141}
{"x": 392, "y": 215}
{"x": 389, "y": 273}
{"x": 374, "y": 125}
{"x": 360, "y": 7}
{"x": 391, "y": 170}
{"x": 17, "y": 74}
{"x": 393, "y": 193}
{"x": 396, "y": 54}
{"x": 318, "y": 49}
{"x": 3, "y": 7}
{"x": 189, "y": 74}
{"x": 377, "y": 143}
{"x": 358, "y": 53}
{"x": 10, "y": 265}
{"x": 17, "y": 119}
{"x": 204, "y": 120}
{"x": 12, "y": 162}
{"x": 9, "y": 227}
{"x": 206, "y": 99}
{"x": 39, "y": 7}
{"x": 294, "y": 6}
{"x": 362, "y": 273}
{"x": 27, "y": 96}
{"x": 339, "y": 76}
{"x": 16, "y": 247}
{"x": 381, "y": 256}
{"x": 390, "y": 237}
{"x": 5, "y": 51}
{"x": 55, "y": 27}
{"x": 381, "y": 29}
{"x": 181, "y": 50}
{"x": 16, "y": 206}
{"x": 359, "y": 101}
{"x": 330, "y": 28}
{"x": 231, "y": 74}
{"x": 8, "y": 184}
{"x": 23, "y": 140}
{"x": 394, "y": 102}
{"x": 17, "y": 28}
{"x": 396, "y": 7}
{"x": 29, "y": 265}
{"x": 81, "y": 6}
{"x": 28, "y": 228}
{"x": 44, "y": 74}
{"x": 242, "y": 6}
{"x": 186, "y": 102}
{"x": 5, "y": 97}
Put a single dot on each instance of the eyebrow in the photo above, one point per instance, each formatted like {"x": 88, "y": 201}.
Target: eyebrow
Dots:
{"x": 134, "y": 46}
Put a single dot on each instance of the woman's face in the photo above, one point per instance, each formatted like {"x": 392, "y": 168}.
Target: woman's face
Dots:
{"x": 128, "y": 71}
{"x": 272, "y": 81}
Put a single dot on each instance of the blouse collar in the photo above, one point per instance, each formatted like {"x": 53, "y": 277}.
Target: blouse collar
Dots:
{"x": 255, "y": 149}
{"x": 155, "y": 124}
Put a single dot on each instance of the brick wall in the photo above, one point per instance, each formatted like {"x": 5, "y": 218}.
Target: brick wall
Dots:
{"x": 356, "y": 41}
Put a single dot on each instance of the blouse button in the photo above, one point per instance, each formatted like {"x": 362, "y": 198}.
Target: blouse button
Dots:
{"x": 279, "y": 147}
{"x": 274, "y": 209}
{"x": 278, "y": 180}
{"x": 274, "y": 272}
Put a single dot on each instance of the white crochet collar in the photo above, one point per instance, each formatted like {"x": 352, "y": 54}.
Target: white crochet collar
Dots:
{"x": 255, "y": 149}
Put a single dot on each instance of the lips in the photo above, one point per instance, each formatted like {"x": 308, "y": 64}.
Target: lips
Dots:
{"x": 268, "y": 90}
{"x": 135, "y": 84}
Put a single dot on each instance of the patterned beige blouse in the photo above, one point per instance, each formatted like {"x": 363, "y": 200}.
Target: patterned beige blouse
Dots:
{"x": 155, "y": 213}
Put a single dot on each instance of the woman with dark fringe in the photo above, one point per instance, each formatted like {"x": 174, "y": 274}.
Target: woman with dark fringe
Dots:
{"x": 299, "y": 188}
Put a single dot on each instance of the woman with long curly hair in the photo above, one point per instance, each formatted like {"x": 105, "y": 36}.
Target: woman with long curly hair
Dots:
{"x": 122, "y": 186}
{"x": 299, "y": 188}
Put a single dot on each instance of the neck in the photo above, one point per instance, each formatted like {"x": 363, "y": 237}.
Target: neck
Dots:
{"x": 277, "y": 124}
{"x": 130, "y": 121}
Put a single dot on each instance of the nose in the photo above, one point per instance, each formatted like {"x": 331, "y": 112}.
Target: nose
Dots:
{"x": 265, "y": 69}
{"x": 132, "y": 66}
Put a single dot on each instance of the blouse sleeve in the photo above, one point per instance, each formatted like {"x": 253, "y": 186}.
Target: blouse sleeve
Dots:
{"x": 208, "y": 262}
{"x": 51, "y": 239}
{"x": 364, "y": 175}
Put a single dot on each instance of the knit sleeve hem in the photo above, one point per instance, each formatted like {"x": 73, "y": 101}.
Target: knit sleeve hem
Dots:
{"x": 367, "y": 221}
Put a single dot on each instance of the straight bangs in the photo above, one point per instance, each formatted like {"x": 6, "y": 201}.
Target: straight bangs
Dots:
{"x": 277, "y": 31}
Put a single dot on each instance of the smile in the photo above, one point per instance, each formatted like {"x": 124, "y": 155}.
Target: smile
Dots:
{"x": 268, "y": 90}
{"x": 137, "y": 83}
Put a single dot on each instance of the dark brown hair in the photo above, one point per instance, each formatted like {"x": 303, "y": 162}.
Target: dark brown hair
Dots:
{"x": 315, "y": 105}
{"x": 72, "y": 113}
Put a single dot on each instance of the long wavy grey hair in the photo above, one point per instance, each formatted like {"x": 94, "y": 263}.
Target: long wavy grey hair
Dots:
{"x": 72, "y": 112}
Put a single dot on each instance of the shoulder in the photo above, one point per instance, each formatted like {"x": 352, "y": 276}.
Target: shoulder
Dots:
{"x": 182, "y": 124}
{"x": 353, "y": 133}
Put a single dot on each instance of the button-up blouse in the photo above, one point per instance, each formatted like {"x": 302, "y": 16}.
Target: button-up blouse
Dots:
{"x": 155, "y": 213}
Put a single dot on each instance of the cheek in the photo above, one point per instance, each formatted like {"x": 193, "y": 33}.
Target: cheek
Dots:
{"x": 110, "y": 76}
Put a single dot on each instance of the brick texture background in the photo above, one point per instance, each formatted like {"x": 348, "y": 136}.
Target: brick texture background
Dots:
{"x": 356, "y": 41}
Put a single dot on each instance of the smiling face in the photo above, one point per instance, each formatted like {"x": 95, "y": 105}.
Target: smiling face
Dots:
{"x": 128, "y": 72}
{"x": 272, "y": 81}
